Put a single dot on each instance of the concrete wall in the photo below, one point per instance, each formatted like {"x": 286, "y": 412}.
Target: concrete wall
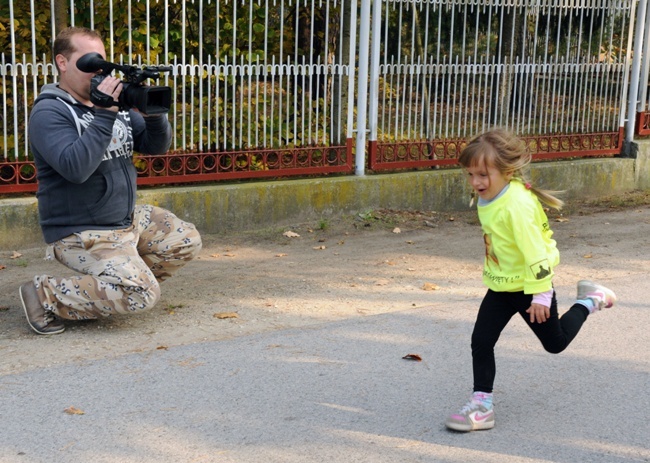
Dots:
{"x": 232, "y": 207}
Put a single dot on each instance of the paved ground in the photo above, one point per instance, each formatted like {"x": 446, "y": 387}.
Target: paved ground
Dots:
{"x": 311, "y": 370}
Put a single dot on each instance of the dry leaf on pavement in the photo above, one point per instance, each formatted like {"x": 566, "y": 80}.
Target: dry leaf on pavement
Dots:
{"x": 290, "y": 234}
{"x": 430, "y": 287}
{"x": 223, "y": 315}
{"x": 73, "y": 411}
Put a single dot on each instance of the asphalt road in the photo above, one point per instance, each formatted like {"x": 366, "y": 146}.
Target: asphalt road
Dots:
{"x": 340, "y": 391}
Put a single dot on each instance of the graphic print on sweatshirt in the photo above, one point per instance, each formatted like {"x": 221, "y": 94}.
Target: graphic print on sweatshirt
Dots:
{"x": 121, "y": 144}
{"x": 541, "y": 269}
{"x": 489, "y": 252}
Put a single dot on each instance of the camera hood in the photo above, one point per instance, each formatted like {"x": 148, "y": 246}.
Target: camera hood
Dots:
{"x": 93, "y": 62}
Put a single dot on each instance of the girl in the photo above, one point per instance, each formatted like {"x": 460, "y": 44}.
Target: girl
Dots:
{"x": 520, "y": 258}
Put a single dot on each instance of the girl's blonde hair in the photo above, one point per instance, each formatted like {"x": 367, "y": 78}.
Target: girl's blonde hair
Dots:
{"x": 509, "y": 155}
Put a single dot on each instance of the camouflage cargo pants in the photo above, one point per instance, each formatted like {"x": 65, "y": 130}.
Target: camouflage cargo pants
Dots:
{"x": 121, "y": 269}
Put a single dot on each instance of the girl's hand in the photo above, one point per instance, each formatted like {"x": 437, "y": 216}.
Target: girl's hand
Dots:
{"x": 538, "y": 313}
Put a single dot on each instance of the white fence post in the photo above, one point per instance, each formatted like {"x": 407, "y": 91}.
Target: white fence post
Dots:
{"x": 362, "y": 97}
{"x": 373, "y": 111}
{"x": 634, "y": 75}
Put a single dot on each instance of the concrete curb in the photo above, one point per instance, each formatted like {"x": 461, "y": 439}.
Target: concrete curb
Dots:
{"x": 236, "y": 207}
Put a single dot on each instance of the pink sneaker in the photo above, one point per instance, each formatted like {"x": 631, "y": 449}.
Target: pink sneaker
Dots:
{"x": 471, "y": 417}
{"x": 603, "y": 298}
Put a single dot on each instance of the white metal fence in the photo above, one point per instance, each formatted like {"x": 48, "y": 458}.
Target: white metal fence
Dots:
{"x": 243, "y": 75}
{"x": 260, "y": 74}
{"x": 453, "y": 68}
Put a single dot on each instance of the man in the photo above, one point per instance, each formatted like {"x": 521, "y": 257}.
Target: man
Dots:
{"x": 86, "y": 199}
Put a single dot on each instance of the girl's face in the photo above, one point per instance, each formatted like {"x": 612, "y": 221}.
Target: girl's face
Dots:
{"x": 486, "y": 179}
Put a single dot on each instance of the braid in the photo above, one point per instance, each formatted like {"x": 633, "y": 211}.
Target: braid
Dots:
{"x": 545, "y": 196}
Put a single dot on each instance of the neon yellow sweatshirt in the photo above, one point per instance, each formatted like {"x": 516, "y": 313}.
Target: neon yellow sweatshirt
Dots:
{"x": 520, "y": 254}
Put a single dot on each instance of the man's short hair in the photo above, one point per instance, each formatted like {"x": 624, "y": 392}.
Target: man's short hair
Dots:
{"x": 63, "y": 42}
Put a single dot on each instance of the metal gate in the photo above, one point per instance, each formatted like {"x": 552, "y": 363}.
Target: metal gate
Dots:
{"x": 552, "y": 71}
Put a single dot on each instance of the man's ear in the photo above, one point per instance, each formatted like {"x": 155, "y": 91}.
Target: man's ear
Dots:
{"x": 61, "y": 62}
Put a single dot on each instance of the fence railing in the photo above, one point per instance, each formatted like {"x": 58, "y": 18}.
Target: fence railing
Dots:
{"x": 266, "y": 88}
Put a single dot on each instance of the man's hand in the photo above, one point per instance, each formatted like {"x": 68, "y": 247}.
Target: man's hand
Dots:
{"x": 111, "y": 87}
{"x": 538, "y": 313}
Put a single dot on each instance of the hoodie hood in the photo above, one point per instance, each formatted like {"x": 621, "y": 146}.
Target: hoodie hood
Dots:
{"x": 50, "y": 91}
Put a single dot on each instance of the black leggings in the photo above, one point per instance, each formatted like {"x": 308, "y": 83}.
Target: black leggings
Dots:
{"x": 496, "y": 311}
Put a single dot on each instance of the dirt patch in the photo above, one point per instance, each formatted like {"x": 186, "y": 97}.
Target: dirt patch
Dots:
{"x": 353, "y": 266}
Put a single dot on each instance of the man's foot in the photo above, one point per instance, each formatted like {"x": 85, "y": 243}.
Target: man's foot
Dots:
{"x": 39, "y": 319}
{"x": 471, "y": 417}
{"x": 603, "y": 298}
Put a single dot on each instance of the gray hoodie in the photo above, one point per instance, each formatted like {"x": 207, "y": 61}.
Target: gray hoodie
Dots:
{"x": 84, "y": 162}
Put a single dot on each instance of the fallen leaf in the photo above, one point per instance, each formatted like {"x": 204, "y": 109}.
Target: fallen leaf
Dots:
{"x": 290, "y": 234}
{"x": 587, "y": 256}
{"x": 410, "y": 242}
{"x": 451, "y": 219}
{"x": 2, "y": 267}
{"x": 15, "y": 255}
{"x": 410, "y": 269}
{"x": 318, "y": 248}
{"x": 229, "y": 255}
{"x": 430, "y": 287}
{"x": 414, "y": 357}
{"x": 215, "y": 255}
{"x": 397, "y": 230}
{"x": 161, "y": 348}
{"x": 73, "y": 411}
{"x": 223, "y": 315}
{"x": 561, "y": 219}
{"x": 281, "y": 255}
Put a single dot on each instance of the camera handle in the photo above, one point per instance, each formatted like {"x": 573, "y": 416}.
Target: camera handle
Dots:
{"x": 99, "y": 98}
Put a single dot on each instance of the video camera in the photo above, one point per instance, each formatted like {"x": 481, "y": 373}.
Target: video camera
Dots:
{"x": 147, "y": 99}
